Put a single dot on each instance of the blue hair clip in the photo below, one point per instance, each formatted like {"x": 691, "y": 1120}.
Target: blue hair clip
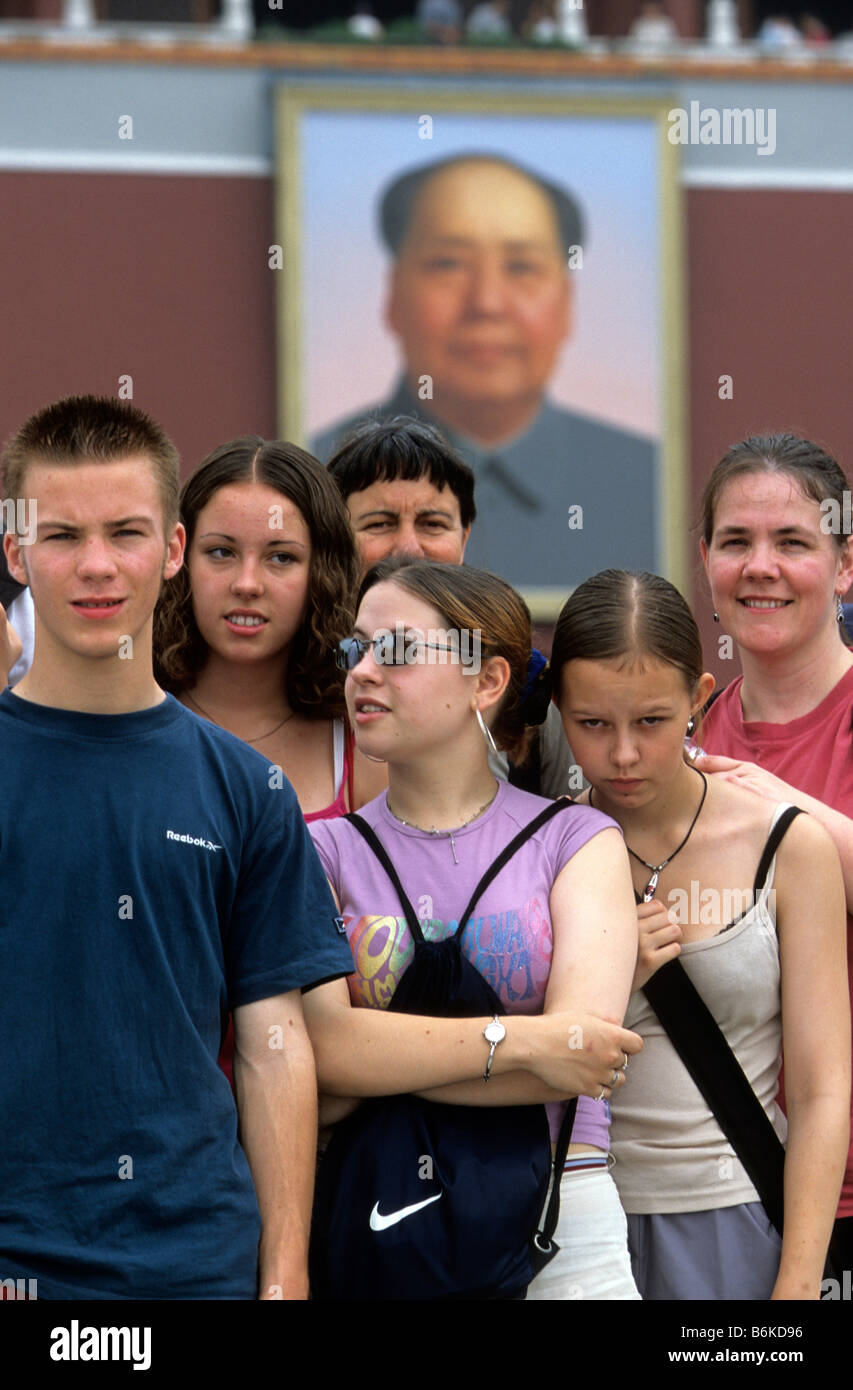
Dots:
{"x": 536, "y": 663}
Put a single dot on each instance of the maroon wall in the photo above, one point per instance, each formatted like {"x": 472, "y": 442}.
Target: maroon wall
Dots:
{"x": 167, "y": 278}
{"x": 769, "y": 305}
{"x": 164, "y": 278}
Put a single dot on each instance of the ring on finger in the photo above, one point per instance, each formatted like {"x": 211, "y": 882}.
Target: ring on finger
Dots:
{"x": 614, "y": 1078}
{"x": 625, "y": 1063}
{"x": 601, "y": 1097}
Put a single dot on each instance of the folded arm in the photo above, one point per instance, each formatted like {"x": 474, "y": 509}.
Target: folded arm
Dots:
{"x": 594, "y": 925}
{"x": 571, "y": 1049}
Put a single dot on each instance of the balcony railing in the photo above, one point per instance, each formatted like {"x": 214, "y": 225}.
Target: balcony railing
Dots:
{"x": 80, "y": 22}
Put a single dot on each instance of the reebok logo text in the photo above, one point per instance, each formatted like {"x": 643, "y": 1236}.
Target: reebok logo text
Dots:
{"x": 192, "y": 840}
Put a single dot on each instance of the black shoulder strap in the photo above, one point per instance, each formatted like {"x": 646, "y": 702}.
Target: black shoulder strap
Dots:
{"x": 545, "y": 1234}
{"x": 696, "y": 1037}
{"x": 773, "y": 842}
{"x": 699, "y": 1042}
{"x": 515, "y": 844}
{"x": 367, "y": 832}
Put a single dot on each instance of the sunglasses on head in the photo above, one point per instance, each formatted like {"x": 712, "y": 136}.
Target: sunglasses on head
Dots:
{"x": 389, "y": 649}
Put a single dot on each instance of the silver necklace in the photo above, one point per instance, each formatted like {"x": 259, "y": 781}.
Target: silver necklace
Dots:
{"x": 260, "y": 737}
{"x": 449, "y": 834}
{"x": 657, "y": 869}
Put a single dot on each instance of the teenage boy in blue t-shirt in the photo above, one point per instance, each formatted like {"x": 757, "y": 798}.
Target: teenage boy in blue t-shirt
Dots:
{"x": 155, "y": 873}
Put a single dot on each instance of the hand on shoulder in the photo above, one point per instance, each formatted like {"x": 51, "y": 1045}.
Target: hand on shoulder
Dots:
{"x": 748, "y": 776}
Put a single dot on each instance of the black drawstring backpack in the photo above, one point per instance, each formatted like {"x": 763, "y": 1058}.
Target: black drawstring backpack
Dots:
{"x": 421, "y": 1200}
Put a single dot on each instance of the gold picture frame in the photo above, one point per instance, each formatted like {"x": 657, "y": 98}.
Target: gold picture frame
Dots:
{"x": 297, "y": 103}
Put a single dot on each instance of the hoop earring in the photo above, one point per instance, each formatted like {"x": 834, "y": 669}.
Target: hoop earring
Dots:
{"x": 486, "y": 732}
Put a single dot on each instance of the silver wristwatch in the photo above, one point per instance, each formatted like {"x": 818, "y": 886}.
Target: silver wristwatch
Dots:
{"x": 494, "y": 1033}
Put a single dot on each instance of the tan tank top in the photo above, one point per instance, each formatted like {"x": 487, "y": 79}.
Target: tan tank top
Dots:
{"x": 671, "y": 1154}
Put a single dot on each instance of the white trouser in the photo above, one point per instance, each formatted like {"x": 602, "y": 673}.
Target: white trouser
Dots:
{"x": 592, "y": 1233}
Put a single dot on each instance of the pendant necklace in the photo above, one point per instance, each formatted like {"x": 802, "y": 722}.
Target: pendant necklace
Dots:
{"x": 260, "y": 737}
{"x": 657, "y": 869}
{"x": 447, "y": 833}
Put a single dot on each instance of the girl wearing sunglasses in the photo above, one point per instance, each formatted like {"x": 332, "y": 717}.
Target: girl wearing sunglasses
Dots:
{"x": 437, "y": 669}
{"x": 766, "y": 957}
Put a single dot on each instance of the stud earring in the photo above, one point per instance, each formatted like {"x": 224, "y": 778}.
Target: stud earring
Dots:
{"x": 716, "y": 616}
{"x": 691, "y": 725}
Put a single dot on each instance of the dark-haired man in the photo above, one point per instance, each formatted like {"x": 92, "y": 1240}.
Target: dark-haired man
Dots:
{"x": 482, "y": 302}
{"x": 181, "y": 884}
{"x": 408, "y": 493}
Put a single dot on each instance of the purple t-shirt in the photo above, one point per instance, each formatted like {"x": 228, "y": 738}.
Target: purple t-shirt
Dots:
{"x": 508, "y": 938}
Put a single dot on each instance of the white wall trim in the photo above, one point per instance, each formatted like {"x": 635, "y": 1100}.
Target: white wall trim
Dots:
{"x": 805, "y": 180}
{"x": 256, "y": 166}
{"x": 90, "y": 162}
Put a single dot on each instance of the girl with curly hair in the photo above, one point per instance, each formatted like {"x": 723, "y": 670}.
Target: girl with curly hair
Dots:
{"x": 245, "y": 634}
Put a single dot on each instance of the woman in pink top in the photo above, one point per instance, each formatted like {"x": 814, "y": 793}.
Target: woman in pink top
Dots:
{"x": 554, "y": 934}
{"x": 776, "y": 549}
{"x": 244, "y": 635}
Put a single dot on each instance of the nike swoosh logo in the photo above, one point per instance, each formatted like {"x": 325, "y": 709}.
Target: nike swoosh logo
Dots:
{"x": 379, "y": 1222}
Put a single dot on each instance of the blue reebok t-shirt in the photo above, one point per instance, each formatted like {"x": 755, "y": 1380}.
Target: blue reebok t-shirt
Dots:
{"x": 154, "y": 873}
